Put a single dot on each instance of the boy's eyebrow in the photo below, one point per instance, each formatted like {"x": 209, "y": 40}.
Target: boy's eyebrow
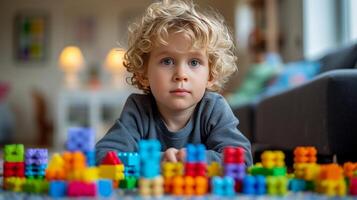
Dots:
{"x": 193, "y": 53}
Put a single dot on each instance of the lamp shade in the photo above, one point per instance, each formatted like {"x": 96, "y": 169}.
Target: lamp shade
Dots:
{"x": 71, "y": 59}
{"x": 114, "y": 61}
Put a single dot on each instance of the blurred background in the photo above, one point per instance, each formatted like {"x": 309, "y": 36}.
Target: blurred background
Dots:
{"x": 58, "y": 68}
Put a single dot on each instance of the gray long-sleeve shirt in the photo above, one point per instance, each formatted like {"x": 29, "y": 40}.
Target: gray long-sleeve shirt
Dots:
{"x": 212, "y": 124}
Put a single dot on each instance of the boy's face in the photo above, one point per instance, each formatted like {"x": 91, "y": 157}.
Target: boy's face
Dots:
{"x": 177, "y": 74}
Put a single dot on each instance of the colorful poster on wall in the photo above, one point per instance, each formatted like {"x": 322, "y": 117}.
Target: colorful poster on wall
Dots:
{"x": 30, "y": 37}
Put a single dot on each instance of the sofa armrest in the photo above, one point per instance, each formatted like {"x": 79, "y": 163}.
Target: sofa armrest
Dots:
{"x": 245, "y": 115}
{"x": 321, "y": 113}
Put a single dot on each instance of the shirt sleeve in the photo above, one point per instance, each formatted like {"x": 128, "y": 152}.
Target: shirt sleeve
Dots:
{"x": 124, "y": 135}
{"x": 222, "y": 131}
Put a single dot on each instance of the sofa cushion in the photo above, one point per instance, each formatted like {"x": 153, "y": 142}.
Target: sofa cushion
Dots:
{"x": 343, "y": 58}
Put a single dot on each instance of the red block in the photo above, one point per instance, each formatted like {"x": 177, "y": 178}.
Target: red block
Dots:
{"x": 14, "y": 169}
{"x": 233, "y": 155}
{"x": 111, "y": 158}
{"x": 353, "y": 186}
{"x": 195, "y": 169}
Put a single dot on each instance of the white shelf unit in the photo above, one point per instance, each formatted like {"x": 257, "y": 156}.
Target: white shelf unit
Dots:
{"x": 97, "y": 109}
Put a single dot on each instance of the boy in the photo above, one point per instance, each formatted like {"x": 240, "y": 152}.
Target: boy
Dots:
{"x": 178, "y": 57}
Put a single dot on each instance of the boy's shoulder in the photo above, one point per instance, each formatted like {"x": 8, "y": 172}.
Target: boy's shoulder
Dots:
{"x": 140, "y": 99}
{"x": 213, "y": 96}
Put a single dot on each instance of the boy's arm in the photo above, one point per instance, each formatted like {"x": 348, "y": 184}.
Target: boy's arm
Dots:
{"x": 124, "y": 135}
{"x": 222, "y": 132}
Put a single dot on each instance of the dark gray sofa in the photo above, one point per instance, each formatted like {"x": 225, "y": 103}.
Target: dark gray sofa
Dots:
{"x": 322, "y": 112}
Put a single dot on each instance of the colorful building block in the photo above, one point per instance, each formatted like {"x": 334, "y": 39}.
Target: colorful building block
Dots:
{"x": 305, "y": 154}
{"x": 233, "y": 155}
{"x": 14, "y": 183}
{"x": 254, "y": 185}
{"x": 111, "y": 158}
{"x": 170, "y": 169}
{"x": 272, "y": 159}
{"x": 114, "y": 172}
{"x": 128, "y": 183}
{"x": 36, "y": 156}
{"x": 57, "y": 189}
{"x": 79, "y": 188}
{"x": 222, "y": 186}
{"x": 151, "y": 187}
{"x": 14, "y": 169}
{"x": 36, "y": 186}
{"x": 80, "y": 139}
{"x": 14, "y": 153}
{"x": 105, "y": 187}
{"x": 195, "y": 153}
{"x": 236, "y": 171}
{"x": 214, "y": 169}
{"x": 277, "y": 185}
{"x": 297, "y": 185}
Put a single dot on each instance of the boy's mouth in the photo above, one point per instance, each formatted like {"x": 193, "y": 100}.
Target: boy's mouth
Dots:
{"x": 180, "y": 92}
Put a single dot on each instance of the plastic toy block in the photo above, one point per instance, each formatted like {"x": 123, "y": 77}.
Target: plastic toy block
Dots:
{"x": 236, "y": 171}
{"x": 80, "y": 139}
{"x": 35, "y": 186}
{"x": 195, "y": 153}
{"x": 149, "y": 150}
{"x": 277, "y": 185}
{"x": 149, "y": 168}
{"x": 14, "y": 183}
{"x": 90, "y": 158}
{"x": 105, "y": 187}
{"x": 353, "y": 186}
{"x": 222, "y": 186}
{"x": 214, "y": 169}
{"x": 276, "y": 171}
{"x": 254, "y": 185}
{"x": 272, "y": 159}
{"x": 332, "y": 187}
{"x": 56, "y": 162}
{"x": 187, "y": 185}
{"x": 128, "y": 183}
{"x": 36, "y": 157}
{"x": 195, "y": 169}
{"x": 349, "y": 168}
{"x": 306, "y": 171}
{"x": 74, "y": 161}
{"x": 14, "y": 169}
{"x": 233, "y": 155}
{"x": 55, "y": 174}
{"x": 78, "y": 188}
{"x": 131, "y": 171}
{"x": 151, "y": 187}
{"x": 130, "y": 158}
{"x": 331, "y": 171}
{"x": 57, "y": 189}
{"x": 14, "y": 153}
{"x": 114, "y": 172}
{"x": 36, "y": 171}
{"x": 305, "y": 155}
{"x": 170, "y": 169}
{"x": 111, "y": 158}
{"x": 297, "y": 185}
{"x": 90, "y": 174}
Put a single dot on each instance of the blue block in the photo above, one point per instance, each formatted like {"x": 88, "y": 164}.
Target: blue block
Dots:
{"x": 129, "y": 158}
{"x": 223, "y": 186}
{"x": 149, "y": 149}
{"x": 57, "y": 189}
{"x": 260, "y": 185}
{"x": 297, "y": 185}
{"x": 80, "y": 139}
{"x": 150, "y": 169}
{"x": 105, "y": 187}
{"x": 131, "y": 171}
{"x": 195, "y": 153}
{"x": 90, "y": 158}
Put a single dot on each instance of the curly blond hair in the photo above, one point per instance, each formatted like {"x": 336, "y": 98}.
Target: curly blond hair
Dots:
{"x": 206, "y": 30}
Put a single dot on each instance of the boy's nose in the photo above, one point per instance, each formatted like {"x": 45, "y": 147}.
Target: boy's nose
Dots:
{"x": 180, "y": 74}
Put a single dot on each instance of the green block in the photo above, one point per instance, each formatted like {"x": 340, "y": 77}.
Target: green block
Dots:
{"x": 128, "y": 183}
{"x": 310, "y": 185}
{"x": 277, "y": 185}
{"x": 14, "y": 153}
{"x": 276, "y": 171}
{"x": 35, "y": 186}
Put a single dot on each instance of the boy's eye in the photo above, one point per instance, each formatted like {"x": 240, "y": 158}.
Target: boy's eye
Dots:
{"x": 194, "y": 63}
{"x": 167, "y": 61}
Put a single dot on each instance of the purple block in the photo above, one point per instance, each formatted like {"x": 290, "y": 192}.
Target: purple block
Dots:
{"x": 36, "y": 156}
{"x": 236, "y": 171}
{"x": 81, "y": 139}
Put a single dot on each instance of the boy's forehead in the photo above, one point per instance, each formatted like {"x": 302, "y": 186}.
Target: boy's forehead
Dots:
{"x": 178, "y": 42}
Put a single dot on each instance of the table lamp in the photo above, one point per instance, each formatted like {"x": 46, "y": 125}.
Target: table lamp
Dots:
{"x": 71, "y": 61}
{"x": 114, "y": 64}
